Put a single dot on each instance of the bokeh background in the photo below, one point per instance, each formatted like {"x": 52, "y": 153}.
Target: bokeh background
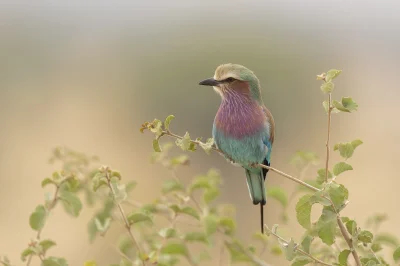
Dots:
{"x": 86, "y": 74}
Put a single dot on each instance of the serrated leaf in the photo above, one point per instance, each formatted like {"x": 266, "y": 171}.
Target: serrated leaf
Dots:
{"x": 301, "y": 261}
{"x": 185, "y": 142}
{"x": 303, "y": 211}
{"x": 196, "y": 237}
{"x": 175, "y": 249}
{"x": 376, "y": 247}
{"x": 46, "y": 244}
{"x": 180, "y": 160}
{"x": 72, "y": 204}
{"x": 172, "y": 185}
{"x": 167, "y": 232}
{"x": 346, "y": 105}
{"x": 332, "y": 74}
{"x": 326, "y": 226}
{"x": 320, "y": 197}
{"x": 356, "y": 143}
{"x": 343, "y": 256}
{"x": 327, "y": 87}
{"x": 341, "y": 167}
{"x": 210, "y": 195}
{"x": 156, "y": 127}
{"x": 279, "y": 194}
{"x": 156, "y": 145}
{"x": 365, "y": 236}
{"x": 338, "y": 194}
{"x": 137, "y": 217}
{"x": 396, "y": 254}
{"x": 167, "y": 121}
{"x": 38, "y": 218}
{"x": 207, "y": 147}
{"x": 347, "y": 149}
{"x": 322, "y": 175}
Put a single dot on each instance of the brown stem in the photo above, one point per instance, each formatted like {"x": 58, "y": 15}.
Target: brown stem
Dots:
{"x": 349, "y": 240}
{"x": 328, "y": 138}
{"x": 121, "y": 210}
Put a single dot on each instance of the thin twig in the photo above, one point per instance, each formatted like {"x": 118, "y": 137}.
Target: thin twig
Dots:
{"x": 169, "y": 133}
{"x": 343, "y": 230}
{"x": 49, "y": 208}
{"x": 121, "y": 210}
{"x": 300, "y": 250}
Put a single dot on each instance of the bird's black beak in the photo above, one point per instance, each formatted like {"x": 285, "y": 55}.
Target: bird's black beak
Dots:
{"x": 209, "y": 82}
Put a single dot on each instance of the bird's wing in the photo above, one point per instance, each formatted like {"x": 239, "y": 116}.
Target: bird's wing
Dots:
{"x": 268, "y": 138}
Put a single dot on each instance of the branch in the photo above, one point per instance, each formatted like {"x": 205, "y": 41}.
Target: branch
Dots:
{"x": 199, "y": 143}
{"x": 343, "y": 229}
{"x": 300, "y": 250}
{"x": 49, "y": 208}
{"x": 121, "y": 210}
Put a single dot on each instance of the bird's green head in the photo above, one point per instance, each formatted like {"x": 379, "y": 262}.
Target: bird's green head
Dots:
{"x": 232, "y": 77}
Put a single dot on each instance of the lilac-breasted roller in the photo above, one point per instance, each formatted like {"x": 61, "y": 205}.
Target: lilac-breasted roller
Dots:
{"x": 243, "y": 127}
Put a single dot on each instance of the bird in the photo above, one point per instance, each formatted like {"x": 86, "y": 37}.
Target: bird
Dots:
{"x": 243, "y": 128}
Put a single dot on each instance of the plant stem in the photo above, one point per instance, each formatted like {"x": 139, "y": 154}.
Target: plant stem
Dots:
{"x": 300, "y": 250}
{"x": 343, "y": 229}
{"x": 121, "y": 210}
{"x": 329, "y": 135}
{"x": 49, "y": 208}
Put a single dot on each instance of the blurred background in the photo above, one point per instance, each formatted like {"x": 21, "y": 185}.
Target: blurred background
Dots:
{"x": 87, "y": 74}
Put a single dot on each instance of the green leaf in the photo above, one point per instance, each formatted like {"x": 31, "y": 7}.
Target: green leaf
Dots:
{"x": 327, "y": 87}
{"x": 167, "y": 121}
{"x": 351, "y": 227}
{"x": 46, "y": 244}
{"x": 338, "y": 194}
{"x": 207, "y": 147}
{"x": 228, "y": 225}
{"x": 236, "y": 251}
{"x": 175, "y": 249}
{"x": 322, "y": 174}
{"x": 332, "y": 74}
{"x": 396, "y": 254}
{"x": 28, "y": 252}
{"x": 210, "y": 195}
{"x": 156, "y": 127}
{"x": 167, "y": 232}
{"x": 38, "y": 218}
{"x": 125, "y": 245}
{"x": 289, "y": 250}
{"x": 47, "y": 181}
{"x": 303, "y": 211}
{"x": 53, "y": 261}
{"x": 343, "y": 256}
{"x": 301, "y": 261}
{"x": 376, "y": 247}
{"x": 156, "y": 145}
{"x": 137, "y": 217}
{"x": 190, "y": 211}
{"x": 180, "y": 160}
{"x": 365, "y": 236}
{"x": 341, "y": 167}
{"x": 102, "y": 227}
{"x": 279, "y": 194}
{"x": 210, "y": 223}
{"x": 72, "y": 204}
{"x": 320, "y": 197}
{"x": 185, "y": 142}
{"x": 306, "y": 242}
{"x": 326, "y": 226}
{"x": 119, "y": 191}
{"x": 347, "y": 149}
{"x": 90, "y": 263}
{"x": 196, "y": 237}
{"x": 172, "y": 185}
{"x": 346, "y": 105}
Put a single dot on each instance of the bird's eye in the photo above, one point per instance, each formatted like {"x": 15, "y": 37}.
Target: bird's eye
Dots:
{"x": 229, "y": 79}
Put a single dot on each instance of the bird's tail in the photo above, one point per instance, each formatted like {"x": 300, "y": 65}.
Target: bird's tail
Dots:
{"x": 255, "y": 183}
